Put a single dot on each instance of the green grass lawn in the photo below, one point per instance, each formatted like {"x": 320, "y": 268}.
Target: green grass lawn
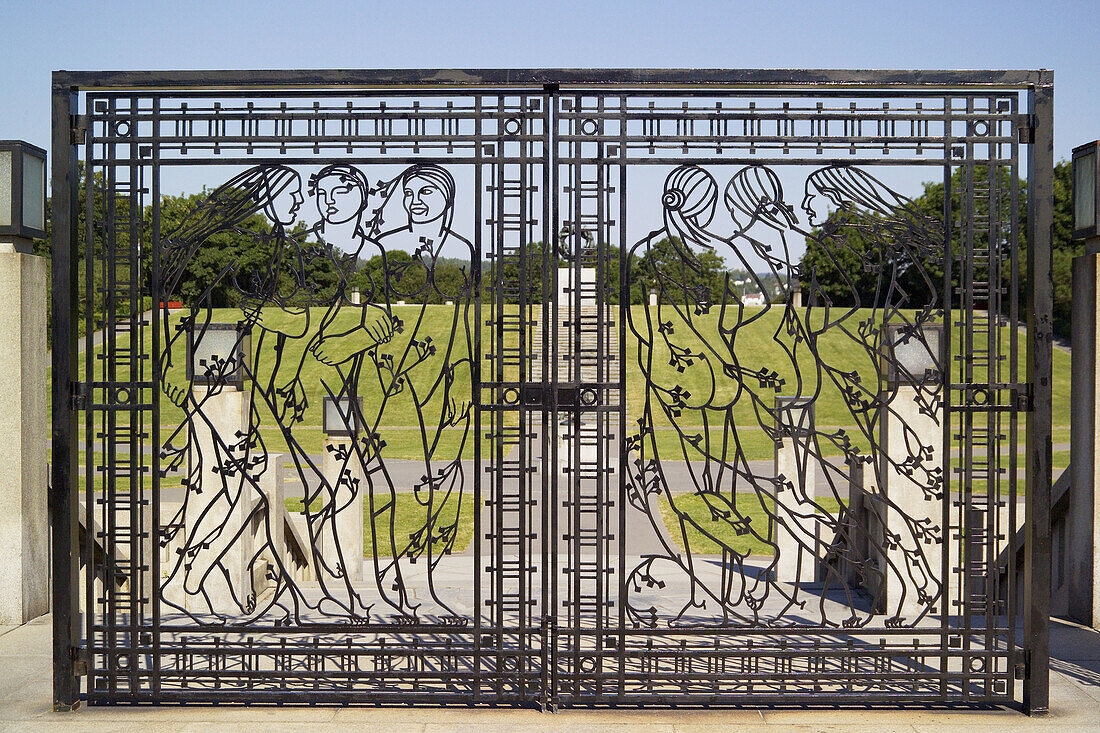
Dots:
{"x": 697, "y": 509}
{"x": 756, "y": 346}
{"x": 409, "y": 515}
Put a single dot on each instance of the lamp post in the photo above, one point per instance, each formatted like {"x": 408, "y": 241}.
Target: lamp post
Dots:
{"x": 24, "y": 425}
{"x": 914, "y": 354}
{"x": 338, "y": 418}
{"x": 1083, "y": 516}
{"x": 1086, "y": 195}
{"x": 22, "y": 195}
{"x": 218, "y": 354}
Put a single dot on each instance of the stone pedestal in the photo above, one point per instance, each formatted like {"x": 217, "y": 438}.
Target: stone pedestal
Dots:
{"x": 1082, "y": 551}
{"x": 344, "y": 476}
{"x": 909, "y": 500}
{"x": 216, "y": 518}
{"x": 795, "y": 532}
{"x": 271, "y": 485}
{"x": 567, "y": 277}
{"x": 24, "y": 525}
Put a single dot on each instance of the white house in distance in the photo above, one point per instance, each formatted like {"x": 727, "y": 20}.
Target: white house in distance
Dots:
{"x": 754, "y": 299}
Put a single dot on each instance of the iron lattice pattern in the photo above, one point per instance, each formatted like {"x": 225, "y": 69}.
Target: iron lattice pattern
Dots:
{"x": 463, "y": 420}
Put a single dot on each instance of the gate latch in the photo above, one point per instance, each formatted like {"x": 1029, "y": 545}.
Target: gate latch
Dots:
{"x": 571, "y": 396}
{"x": 78, "y": 131}
{"x": 80, "y": 393}
{"x": 80, "y": 661}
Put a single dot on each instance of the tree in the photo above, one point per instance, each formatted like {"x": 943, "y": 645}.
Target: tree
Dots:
{"x": 830, "y": 275}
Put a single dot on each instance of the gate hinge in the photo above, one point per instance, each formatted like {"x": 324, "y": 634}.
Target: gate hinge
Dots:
{"x": 80, "y": 392}
{"x": 78, "y": 129}
{"x": 79, "y": 656}
{"x": 1023, "y": 399}
{"x": 1021, "y": 669}
{"x": 1025, "y": 129}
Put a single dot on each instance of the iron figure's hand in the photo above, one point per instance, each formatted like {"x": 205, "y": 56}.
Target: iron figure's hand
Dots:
{"x": 176, "y": 393}
{"x": 333, "y": 350}
{"x": 294, "y": 400}
{"x": 457, "y": 411}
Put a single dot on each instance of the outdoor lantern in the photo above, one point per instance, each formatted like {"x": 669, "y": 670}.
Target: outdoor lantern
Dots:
{"x": 915, "y": 353}
{"x": 22, "y": 193}
{"x": 218, "y": 353}
{"x": 1086, "y": 194}
{"x": 338, "y": 417}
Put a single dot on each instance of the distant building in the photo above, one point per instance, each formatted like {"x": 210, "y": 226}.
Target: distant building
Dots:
{"x": 754, "y": 299}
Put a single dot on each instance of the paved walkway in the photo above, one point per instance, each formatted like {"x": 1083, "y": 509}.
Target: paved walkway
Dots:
{"x": 25, "y": 706}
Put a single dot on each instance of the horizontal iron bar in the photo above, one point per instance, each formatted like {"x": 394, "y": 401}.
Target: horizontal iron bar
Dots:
{"x": 563, "y": 78}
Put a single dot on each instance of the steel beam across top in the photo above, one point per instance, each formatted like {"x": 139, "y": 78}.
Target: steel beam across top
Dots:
{"x": 610, "y": 79}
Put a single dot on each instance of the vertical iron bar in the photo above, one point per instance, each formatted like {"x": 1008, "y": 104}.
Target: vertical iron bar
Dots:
{"x": 946, "y": 566}
{"x": 624, "y": 458}
{"x": 154, "y": 398}
{"x": 63, "y": 493}
{"x": 1040, "y": 225}
{"x": 479, "y": 397}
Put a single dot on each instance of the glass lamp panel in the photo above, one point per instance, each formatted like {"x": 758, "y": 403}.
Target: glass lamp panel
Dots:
{"x": 213, "y": 355}
{"x": 914, "y": 356}
{"x": 5, "y": 188}
{"x": 337, "y": 415}
{"x": 1084, "y": 191}
{"x": 34, "y": 192}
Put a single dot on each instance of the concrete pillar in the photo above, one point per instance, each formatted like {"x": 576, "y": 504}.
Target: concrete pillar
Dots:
{"x": 271, "y": 485}
{"x": 24, "y": 527}
{"x": 343, "y": 473}
{"x": 907, "y": 497}
{"x": 796, "y": 532}
{"x": 216, "y": 517}
{"x": 1082, "y": 556}
{"x": 356, "y": 296}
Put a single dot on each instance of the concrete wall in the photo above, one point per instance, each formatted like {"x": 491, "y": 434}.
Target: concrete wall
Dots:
{"x": 1082, "y": 553}
{"x": 24, "y": 527}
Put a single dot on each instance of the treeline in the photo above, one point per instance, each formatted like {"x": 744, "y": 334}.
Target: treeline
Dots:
{"x": 840, "y": 274}
{"x": 243, "y": 250}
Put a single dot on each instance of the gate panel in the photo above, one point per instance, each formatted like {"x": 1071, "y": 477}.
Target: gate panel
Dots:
{"x": 524, "y": 394}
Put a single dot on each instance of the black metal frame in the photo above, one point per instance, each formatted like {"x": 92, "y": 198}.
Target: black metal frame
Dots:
{"x": 543, "y": 663}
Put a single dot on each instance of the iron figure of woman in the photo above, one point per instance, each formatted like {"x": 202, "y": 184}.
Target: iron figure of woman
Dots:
{"x": 679, "y": 343}
{"x": 901, "y": 244}
{"x": 221, "y": 570}
{"x": 417, "y": 378}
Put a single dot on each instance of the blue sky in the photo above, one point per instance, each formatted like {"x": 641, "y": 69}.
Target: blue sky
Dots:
{"x": 859, "y": 34}
{"x": 40, "y": 37}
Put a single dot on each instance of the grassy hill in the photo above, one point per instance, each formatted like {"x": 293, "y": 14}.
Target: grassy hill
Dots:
{"x": 760, "y": 345}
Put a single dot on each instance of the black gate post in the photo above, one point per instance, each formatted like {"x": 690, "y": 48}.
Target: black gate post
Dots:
{"x": 62, "y": 496}
{"x": 1040, "y": 223}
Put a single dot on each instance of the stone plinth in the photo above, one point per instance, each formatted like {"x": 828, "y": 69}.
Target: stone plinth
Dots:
{"x": 795, "y": 530}
{"x": 216, "y": 519}
{"x": 910, "y": 426}
{"x": 24, "y": 535}
{"x": 1082, "y": 551}
{"x": 342, "y": 532}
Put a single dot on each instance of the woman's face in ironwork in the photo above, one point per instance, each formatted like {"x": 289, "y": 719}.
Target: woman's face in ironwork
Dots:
{"x": 285, "y": 204}
{"x": 338, "y": 199}
{"x": 423, "y": 200}
{"x": 808, "y": 207}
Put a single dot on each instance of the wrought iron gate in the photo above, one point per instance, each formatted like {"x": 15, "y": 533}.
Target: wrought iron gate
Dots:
{"x": 515, "y": 387}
